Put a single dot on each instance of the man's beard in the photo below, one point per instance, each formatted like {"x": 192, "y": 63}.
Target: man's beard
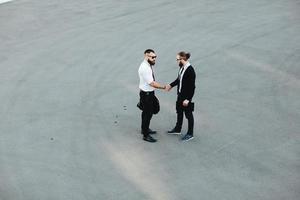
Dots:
{"x": 180, "y": 64}
{"x": 151, "y": 62}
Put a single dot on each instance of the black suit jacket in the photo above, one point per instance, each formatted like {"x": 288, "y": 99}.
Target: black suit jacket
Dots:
{"x": 187, "y": 85}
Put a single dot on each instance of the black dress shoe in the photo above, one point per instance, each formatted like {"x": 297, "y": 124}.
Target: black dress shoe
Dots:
{"x": 151, "y": 131}
{"x": 174, "y": 131}
{"x": 148, "y": 138}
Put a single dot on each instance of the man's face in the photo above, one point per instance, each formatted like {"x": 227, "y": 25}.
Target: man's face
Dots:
{"x": 151, "y": 57}
{"x": 179, "y": 61}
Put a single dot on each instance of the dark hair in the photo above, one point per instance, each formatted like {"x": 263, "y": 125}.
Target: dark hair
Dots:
{"x": 184, "y": 55}
{"x": 149, "y": 51}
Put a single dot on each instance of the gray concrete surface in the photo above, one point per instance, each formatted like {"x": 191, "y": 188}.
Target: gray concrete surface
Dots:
{"x": 69, "y": 126}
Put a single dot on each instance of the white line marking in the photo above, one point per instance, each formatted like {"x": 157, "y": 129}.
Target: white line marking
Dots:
{"x": 4, "y": 1}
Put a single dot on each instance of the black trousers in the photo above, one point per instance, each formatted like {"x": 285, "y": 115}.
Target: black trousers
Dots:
{"x": 188, "y": 111}
{"x": 147, "y": 101}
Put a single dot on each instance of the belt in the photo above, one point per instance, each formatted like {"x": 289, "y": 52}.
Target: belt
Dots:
{"x": 147, "y": 93}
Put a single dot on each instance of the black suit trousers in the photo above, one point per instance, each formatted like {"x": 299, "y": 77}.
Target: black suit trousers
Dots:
{"x": 147, "y": 100}
{"x": 180, "y": 109}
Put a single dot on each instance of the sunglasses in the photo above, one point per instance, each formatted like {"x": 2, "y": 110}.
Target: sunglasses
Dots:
{"x": 152, "y": 57}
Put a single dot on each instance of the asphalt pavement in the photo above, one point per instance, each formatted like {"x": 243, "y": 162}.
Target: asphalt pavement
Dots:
{"x": 69, "y": 125}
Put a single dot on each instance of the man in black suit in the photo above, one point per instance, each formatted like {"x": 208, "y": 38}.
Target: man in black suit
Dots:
{"x": 185, "y": 91}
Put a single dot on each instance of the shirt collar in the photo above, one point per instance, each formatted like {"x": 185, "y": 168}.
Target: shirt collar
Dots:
{"x": 186, "y": 65}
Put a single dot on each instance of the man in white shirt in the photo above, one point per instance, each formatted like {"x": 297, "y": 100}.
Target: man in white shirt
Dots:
{"x": 147, "y": 86}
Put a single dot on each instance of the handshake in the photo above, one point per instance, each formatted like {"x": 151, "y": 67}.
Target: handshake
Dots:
{"x": 157, "y": 85}
{"x": 167, "y": 88}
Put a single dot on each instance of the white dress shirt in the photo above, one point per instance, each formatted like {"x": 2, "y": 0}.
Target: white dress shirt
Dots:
{"x": 146, "y": 77}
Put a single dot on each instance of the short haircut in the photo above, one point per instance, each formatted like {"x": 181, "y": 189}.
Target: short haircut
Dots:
{"x": 149, "y": 51}
{"x": 184, "y": 55}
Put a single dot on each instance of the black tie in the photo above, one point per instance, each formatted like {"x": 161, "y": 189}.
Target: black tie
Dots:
{"x": 152, "y": 73}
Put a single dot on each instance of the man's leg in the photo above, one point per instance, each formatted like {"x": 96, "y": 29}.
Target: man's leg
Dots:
{"x": 190, "y": 118}
{"x": 146, "y": 113}
{"x": 179, "y": 112}
{"x": 147, "y": 101}
{"x": 146, "y": 118}
{"x": 177, "y": 129}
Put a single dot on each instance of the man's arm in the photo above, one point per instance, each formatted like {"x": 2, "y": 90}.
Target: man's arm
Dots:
{"x": 175, "y": 82}
{"x": 157, "y": 85}
{"x": 147, "y": 76}
{"x": 171, "y": 85}
{"x": 190, "y": 86}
